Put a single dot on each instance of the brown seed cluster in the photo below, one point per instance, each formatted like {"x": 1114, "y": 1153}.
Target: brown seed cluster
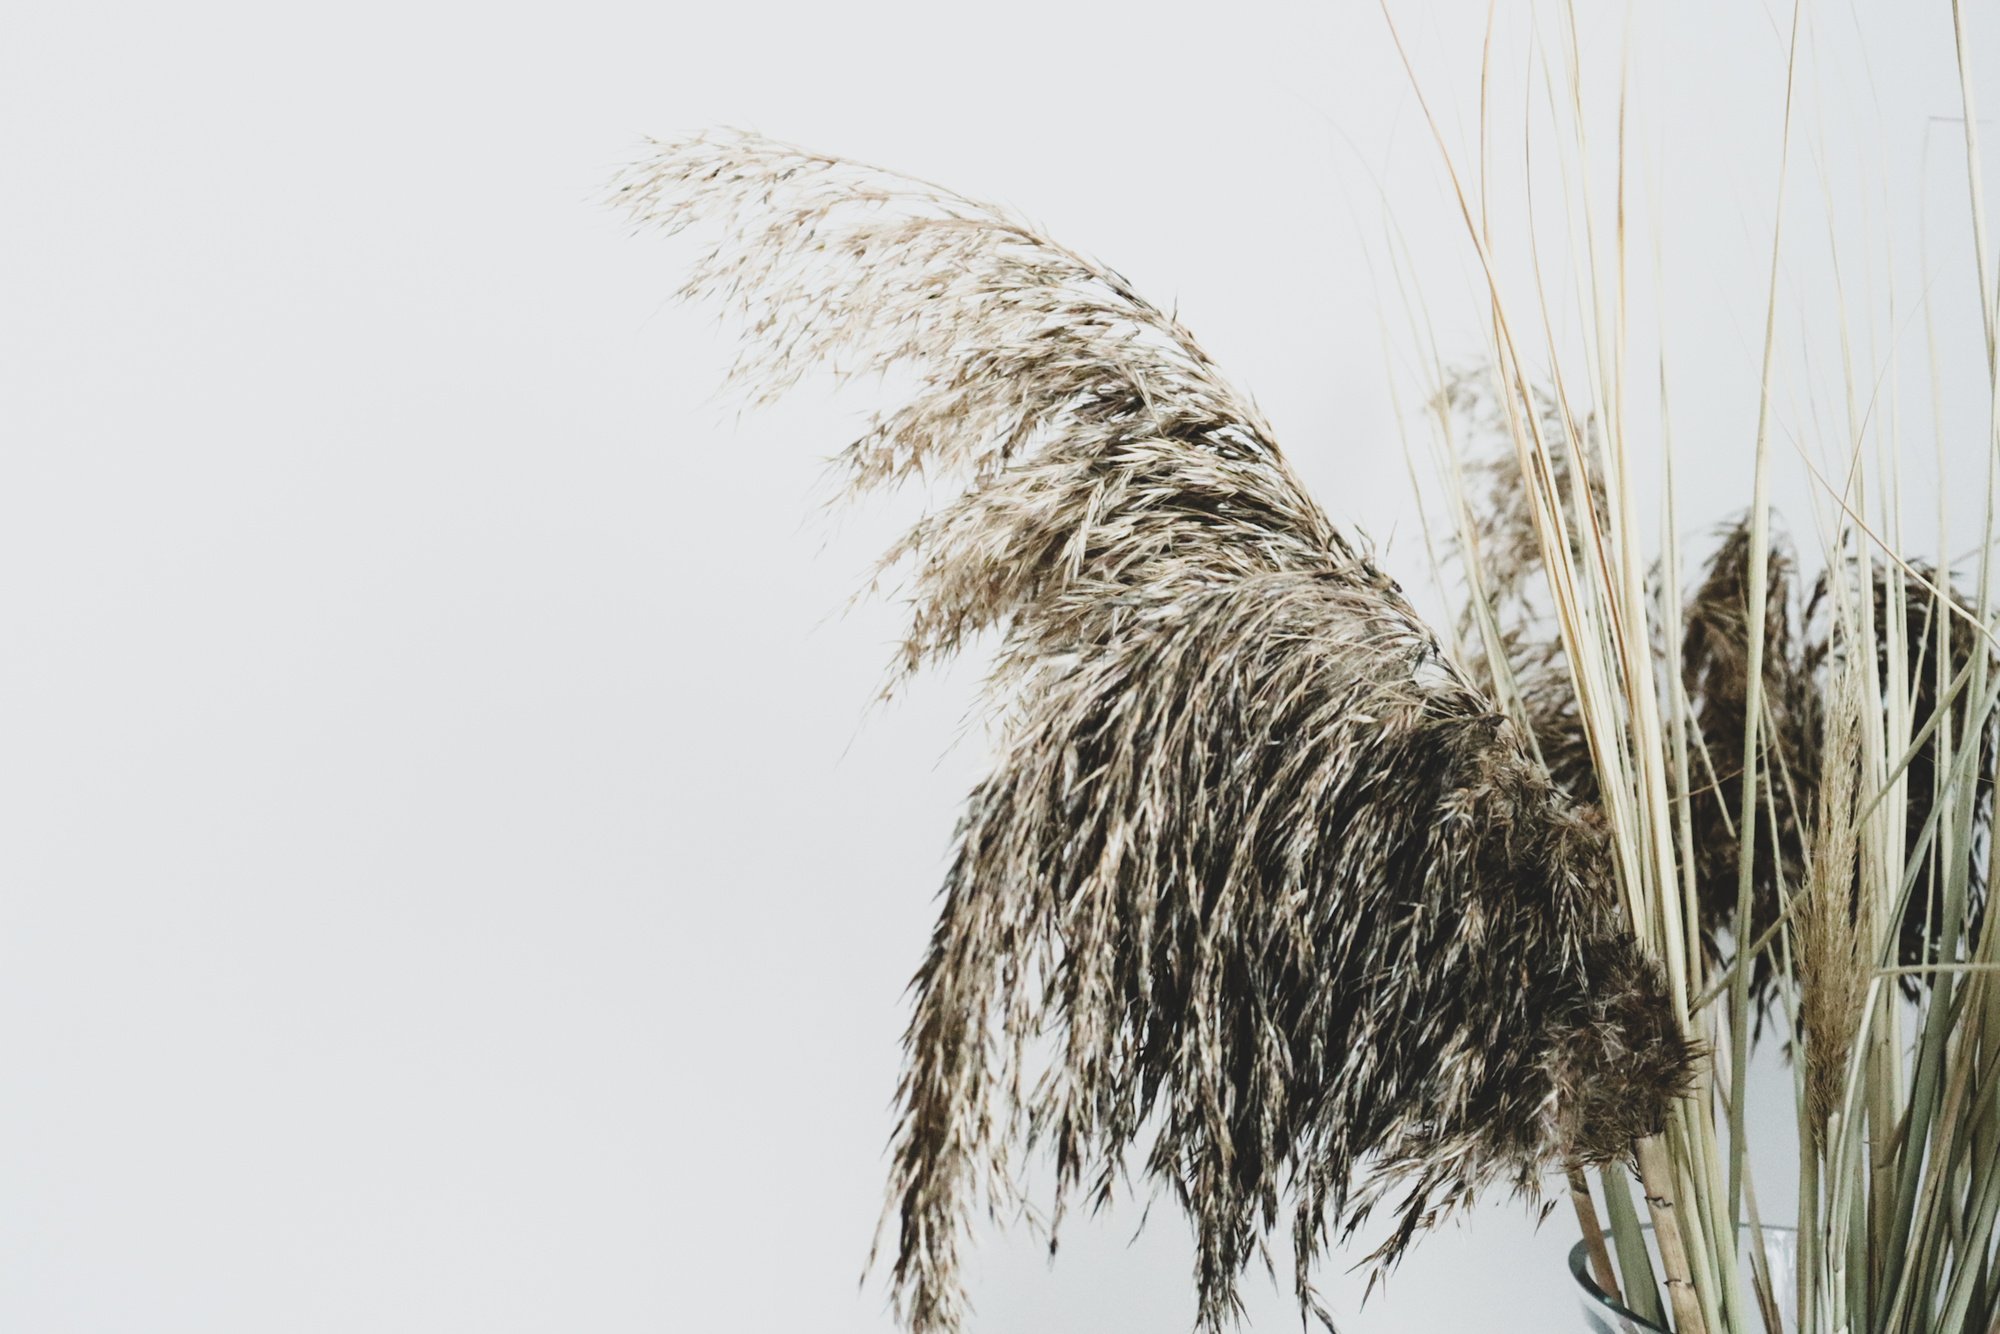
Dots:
{"x": 1808, "y": 759}
{"x": 1262, "y": 899}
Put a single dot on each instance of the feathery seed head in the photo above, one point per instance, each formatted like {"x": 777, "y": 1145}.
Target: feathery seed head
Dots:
{"x": 1305, "y": 924}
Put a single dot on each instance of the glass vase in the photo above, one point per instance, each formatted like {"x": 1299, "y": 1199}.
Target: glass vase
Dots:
{"x": 1601, "y": 1315}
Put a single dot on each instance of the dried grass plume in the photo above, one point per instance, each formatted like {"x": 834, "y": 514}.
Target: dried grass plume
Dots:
{"x": 1296, "y": 920}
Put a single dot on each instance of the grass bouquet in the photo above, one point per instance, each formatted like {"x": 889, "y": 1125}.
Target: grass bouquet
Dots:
{"x": 1304, "y": 917}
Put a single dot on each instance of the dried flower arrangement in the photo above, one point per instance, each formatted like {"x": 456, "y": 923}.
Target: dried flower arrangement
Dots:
{"x": 1269, "y": 890}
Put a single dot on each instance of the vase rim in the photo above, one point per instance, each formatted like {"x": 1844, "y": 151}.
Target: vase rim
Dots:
{"x": 1579, "y": 1268}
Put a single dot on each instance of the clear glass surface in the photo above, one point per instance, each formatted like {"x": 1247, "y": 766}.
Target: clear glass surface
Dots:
{"x": 1601, "y": 1315}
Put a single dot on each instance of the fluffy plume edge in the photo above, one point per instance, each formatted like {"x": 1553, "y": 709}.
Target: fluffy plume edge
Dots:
{"x": 1261, "y": 886}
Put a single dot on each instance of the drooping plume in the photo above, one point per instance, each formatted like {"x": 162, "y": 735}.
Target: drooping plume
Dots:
{"x": 1805, "y": 671}
{"x": 1715, "y": 666}
{"x": 1939, "y": 642}
{"x": 1283, "y": 901}
{"x": 1506, "y": 607}
{"x": 1495, "y": 565}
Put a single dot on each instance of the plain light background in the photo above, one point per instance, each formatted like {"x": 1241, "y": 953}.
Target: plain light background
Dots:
{"x": 450, "y": 876}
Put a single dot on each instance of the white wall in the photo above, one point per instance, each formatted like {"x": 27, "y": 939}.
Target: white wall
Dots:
{"x": 452, "y": 879}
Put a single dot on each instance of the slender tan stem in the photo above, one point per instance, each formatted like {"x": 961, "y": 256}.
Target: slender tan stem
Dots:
{"x": 1656, "y": 1174}
{"x": 1593, "y": 1235}
{"x": 1761, "y": 1283}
